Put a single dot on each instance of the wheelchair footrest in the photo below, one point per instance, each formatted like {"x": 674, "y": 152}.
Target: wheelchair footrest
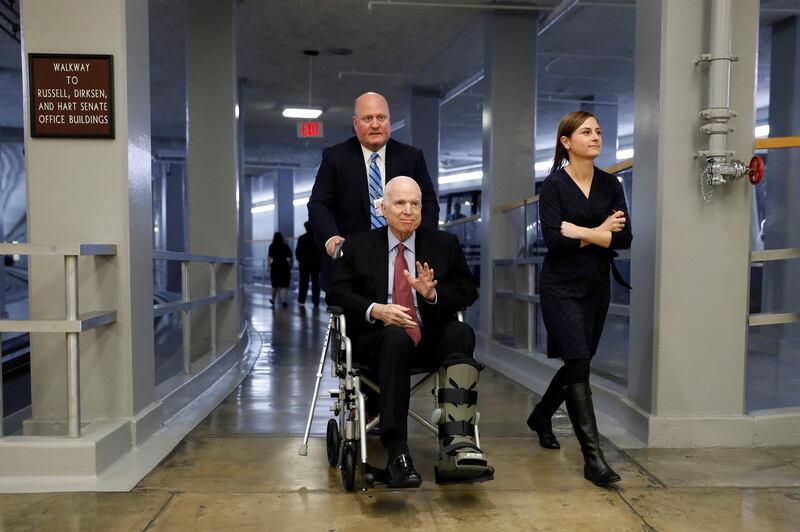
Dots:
{"x": 372, "y": 475}
{"x": 378, "y": 477}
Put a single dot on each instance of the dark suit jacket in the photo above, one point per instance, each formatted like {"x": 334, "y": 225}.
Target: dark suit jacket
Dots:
{"x": 307, "y": 253}
{"x": 362, "y": 278}
{"x": 339, "y": 202}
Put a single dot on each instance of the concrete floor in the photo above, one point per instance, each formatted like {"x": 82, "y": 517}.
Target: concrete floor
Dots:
{"x": 239, "y": 470}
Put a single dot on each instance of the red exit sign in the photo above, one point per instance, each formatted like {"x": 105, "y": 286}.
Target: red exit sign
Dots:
{"x": 309, "y": 130}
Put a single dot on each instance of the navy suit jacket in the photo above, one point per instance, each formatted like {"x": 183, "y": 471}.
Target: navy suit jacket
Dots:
{"x": 362, "y": 278}
{"x": 339, "y": 202}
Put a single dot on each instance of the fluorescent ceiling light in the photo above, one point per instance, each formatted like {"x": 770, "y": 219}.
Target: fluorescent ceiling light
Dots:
{"x": 297, "y": 112}
{"x": 263, "y": 208}
{"x": 543, "y": 166}
{"x": 624, "y": 154}
{"x": 300, "y": 201}
{"x": 458, "y": 178}
{"x": 762, "y": 131}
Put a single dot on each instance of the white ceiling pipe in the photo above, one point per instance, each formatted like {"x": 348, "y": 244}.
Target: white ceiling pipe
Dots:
{"x": 720, "y": 167}
{"x": 719, "y": 73}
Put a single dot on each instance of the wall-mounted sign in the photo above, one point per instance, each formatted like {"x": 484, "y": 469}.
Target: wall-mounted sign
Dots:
{"x": 309, "y": 130}
{"x": 71, "y": 95}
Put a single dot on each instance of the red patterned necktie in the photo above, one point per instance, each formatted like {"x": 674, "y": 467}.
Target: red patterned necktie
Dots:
{"x": 401, "y": 292}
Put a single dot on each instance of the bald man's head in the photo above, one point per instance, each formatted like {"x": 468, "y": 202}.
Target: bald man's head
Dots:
{"x": 371, "y": 120}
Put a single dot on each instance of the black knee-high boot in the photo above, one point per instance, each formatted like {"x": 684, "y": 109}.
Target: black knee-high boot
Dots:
{"x": 581, "y": 413}
{"x": 540, "y": 419}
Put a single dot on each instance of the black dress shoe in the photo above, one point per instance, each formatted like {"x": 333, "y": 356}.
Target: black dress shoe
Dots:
{"x": 401, "y": 474}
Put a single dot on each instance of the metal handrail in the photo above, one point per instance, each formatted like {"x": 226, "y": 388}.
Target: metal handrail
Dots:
{"x": 72, "y": 326}
{"x": 775, "y": 254}
{"x": 773, "y": 318}
{"x": 187, "y": 304}
{"x": 776, "y": 143}
{"x": 191, "y": 257}
{"x": 460, "y": 221}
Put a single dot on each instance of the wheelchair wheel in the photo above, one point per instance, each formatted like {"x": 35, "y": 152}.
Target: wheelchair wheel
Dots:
{"x": 349, "y": 466}
{"x": 332, "y": 440}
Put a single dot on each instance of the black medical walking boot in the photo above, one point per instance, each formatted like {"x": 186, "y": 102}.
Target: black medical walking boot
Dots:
{"x": 581, "y": 413}
{"x": 541, "y": 423}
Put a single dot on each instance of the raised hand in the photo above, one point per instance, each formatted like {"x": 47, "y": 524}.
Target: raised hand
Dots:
{"x": 424, "y": 283}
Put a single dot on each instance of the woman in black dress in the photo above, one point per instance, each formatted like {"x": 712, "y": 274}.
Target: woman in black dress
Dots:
{"x": 584, "y": 218}
{"x": 279, "y": 263}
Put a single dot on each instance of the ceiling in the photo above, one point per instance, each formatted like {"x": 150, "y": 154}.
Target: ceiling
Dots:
{"x": 588, "y": 53}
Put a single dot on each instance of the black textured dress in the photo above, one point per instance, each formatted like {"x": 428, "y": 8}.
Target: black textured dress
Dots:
{"x": 280, "y": 269}
{"x": 574, "y": 285}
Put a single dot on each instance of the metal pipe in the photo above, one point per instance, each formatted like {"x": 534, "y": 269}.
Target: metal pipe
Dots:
{"x": 212, "y": 282}
{"x": 564, "y": 7}
{"x": 492, "y": 7}
{"x": 187, "y": 324}
{"x": 73, "y": 360}
{"x": 362, "y": 417}
{"x": 462, "y": 87}
{"x": 719, "y": 71}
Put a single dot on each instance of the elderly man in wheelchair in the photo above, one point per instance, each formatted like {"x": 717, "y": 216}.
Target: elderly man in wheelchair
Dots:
{"x": 400, "y": 321}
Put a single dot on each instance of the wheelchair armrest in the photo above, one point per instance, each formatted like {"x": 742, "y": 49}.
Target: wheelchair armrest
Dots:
{"x": 336, "y": 311}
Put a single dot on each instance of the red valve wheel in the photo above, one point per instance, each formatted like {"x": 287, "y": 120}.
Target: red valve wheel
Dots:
{"x": 755, "y": 170}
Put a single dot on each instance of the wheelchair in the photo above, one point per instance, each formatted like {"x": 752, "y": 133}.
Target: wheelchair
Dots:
{"x": 346, "y": 442}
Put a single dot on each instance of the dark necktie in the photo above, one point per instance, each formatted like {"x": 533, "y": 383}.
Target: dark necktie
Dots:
{"x": 401, "y": 292}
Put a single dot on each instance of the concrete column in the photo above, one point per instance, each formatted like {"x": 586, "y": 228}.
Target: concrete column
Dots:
{"x": 246, "y": 222}
{"x": 606, "y": 113}
{"x": 94, "y": 191}
{"x": 423, "y": 124}
{"x": 284, "y": 198}
{"x": 175, "y": 220}
{"x": 244, "y": 200}
{"x": 212, "y": 158}
{"x": 781, "y": 288}
{"x": 690, "y": 259}
{"x": 508, "y": 124}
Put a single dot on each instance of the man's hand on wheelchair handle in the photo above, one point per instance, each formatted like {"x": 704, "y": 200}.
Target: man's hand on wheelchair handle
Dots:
{"x": 330, "y": 245}
{"x": 424, "y": 283}
{"x": 392, "y": 314}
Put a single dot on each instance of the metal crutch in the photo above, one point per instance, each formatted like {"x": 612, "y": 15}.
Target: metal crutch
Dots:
{"x": 304, "y": 446}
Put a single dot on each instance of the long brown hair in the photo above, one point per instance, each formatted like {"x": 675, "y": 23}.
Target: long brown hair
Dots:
{"x": 566, "y": 128}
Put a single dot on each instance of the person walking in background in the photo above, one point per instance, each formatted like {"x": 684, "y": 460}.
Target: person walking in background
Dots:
{"x": 279, "y": 263}
{"x": 584, "y": 218}
{"x": 309, "y": 260}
